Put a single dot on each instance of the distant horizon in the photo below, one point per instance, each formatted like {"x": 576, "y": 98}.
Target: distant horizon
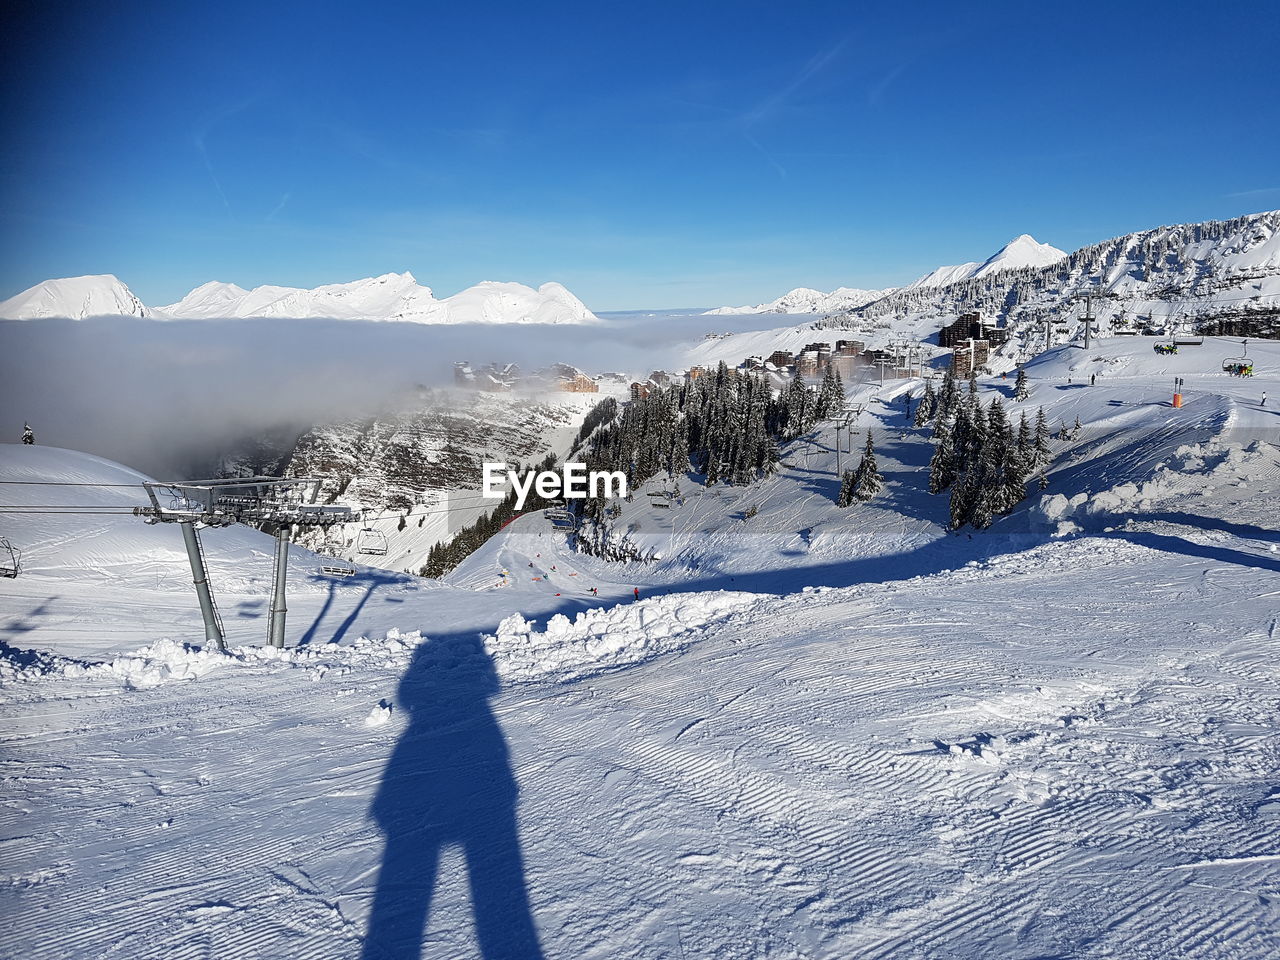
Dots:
{"x": 534, "y": 284}
{"x": 717, "y": 154}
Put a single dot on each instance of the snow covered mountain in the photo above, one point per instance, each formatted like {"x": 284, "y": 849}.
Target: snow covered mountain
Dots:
{"x": 808, "y": 300}
{"x": 75, "y": 297}
{"x": 1206, "y": 275}
{"x": 1022, "y": 251}
{"x": 1219, "y": 277}
{"x": 390, "y": 297}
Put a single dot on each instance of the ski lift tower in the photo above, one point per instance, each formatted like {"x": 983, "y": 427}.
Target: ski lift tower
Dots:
{"x": 251, "y": 500}
{"x": 849, "y": 423}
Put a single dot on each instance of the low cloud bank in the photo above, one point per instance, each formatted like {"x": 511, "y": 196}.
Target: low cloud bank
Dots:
{"x": 162, "y": 396}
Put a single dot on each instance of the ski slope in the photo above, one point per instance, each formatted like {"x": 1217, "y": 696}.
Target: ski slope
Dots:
{"x": 819, "y": 733}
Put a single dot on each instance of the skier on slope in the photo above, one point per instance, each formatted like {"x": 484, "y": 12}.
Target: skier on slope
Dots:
{"x": 1262, "y": 404}
{"x": 636, "y": 592}
{"x": 29, "y": 436}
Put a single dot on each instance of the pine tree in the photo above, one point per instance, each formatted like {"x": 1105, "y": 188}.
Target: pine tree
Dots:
{"x": 847, "y": 483}
{"x": 948, "y": 396}
{"x": 927, "y": 406}
{"x": 941, "y": 466}
{"x": 1020, "y": 389}
{"x": 867, "y": 481}
{"x": 830, "y": 395}
{"x": 1026, "y": 447}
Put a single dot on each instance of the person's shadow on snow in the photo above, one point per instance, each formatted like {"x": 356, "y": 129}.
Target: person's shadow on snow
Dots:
{"x": 449, "y": 782}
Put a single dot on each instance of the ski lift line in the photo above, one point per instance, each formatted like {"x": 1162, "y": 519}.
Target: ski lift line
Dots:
{"x": 65, "y": 508}
{"x": 67, "y": 483}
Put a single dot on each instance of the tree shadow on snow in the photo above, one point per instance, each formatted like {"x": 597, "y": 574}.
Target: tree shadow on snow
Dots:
{"x": 449, "y": 783}
{"x": 1157, "y": 541}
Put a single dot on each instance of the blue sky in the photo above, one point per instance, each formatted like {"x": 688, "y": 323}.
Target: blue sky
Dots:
{"x": 645, "y": 155}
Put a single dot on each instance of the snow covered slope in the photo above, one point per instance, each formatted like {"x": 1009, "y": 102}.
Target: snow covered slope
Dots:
{"x": 391, "y": 297}
{"x": 808, "y": 300}
{"x": 1019, "y": 745}
{"x": 75, "y": 297}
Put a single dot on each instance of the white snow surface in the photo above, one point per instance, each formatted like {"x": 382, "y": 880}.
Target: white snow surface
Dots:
{"x": 819, "y": 733}
{"x": 391, "y": 297}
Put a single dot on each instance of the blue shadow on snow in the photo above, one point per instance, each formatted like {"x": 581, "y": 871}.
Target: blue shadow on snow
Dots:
{"x": 449, "y": 782}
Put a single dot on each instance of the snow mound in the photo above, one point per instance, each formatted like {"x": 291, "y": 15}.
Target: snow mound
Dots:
{"x": 379, "y": 716}
{"x": 1195, "y": 467}
{"x": 602, "y": 638}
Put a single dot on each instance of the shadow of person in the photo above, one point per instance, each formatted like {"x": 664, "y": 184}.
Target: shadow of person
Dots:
{"x": 449, "y": 782}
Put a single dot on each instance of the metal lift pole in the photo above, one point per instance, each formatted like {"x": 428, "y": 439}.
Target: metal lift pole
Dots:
{"x": 275, "y": 630}
{"x": 200, "y": 576}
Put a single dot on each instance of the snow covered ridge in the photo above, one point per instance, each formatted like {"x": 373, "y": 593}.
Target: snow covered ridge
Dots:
{"x": 1155, "y": 278}
{"x": 396, "y": 297}
{"x": 1022, "y": 251}
{"x": 808, "y": 300}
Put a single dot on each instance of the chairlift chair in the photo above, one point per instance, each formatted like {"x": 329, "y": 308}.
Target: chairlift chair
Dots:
{"x": 333, "y": 570}
{"x": 372, "y": 542}
{"x": 10, "y": 559}
{"x": 1239, "y": 366}
{"x": 562, "y": 519}
{"x": 1165, "y": 347}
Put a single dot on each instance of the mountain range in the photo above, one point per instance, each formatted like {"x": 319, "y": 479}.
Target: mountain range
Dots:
{"x": 394, "y": 297}
{"x": 1022, "y": 251}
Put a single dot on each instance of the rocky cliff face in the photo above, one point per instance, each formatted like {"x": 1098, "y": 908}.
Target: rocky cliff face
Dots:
{"x": 415, "y": 468}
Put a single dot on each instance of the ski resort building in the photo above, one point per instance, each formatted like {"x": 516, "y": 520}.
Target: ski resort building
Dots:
{"x": 641, "y": 391}
{"x": 781, "y": 358}
{"x": 578, "y": 383}
{"x": 970, "y": 356}
{"x": 972, "y": 326}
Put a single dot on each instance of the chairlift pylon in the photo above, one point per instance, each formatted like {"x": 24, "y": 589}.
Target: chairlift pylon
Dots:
{"x": 10, "y": 559}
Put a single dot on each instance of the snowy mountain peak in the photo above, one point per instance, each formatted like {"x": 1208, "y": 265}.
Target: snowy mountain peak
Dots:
{"x": 391, "y": 296}
{"x": 1022, "y": 251}
{"x": 74, "y": 297}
